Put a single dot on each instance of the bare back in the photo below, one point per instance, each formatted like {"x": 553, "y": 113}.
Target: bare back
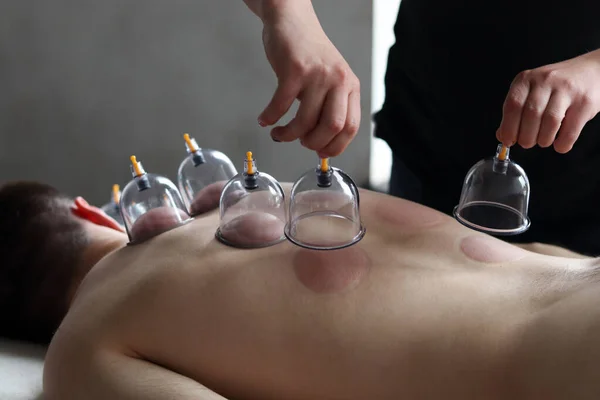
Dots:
{"x": 420, "y": 299}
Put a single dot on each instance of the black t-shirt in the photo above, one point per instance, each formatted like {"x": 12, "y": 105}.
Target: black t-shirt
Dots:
{"x": 448, "y": 75}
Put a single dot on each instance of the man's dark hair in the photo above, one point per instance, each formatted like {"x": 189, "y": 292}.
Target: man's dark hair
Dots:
{"x": 41, "y": 246}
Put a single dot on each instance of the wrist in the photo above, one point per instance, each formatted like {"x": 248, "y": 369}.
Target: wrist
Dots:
{"x": 272, "y": 11}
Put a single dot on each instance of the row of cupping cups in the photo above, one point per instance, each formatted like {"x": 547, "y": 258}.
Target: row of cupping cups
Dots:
{"x": 322, "y": 211}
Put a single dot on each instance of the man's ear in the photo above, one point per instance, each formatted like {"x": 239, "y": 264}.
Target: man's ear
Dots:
{"x": 84, "y": 210}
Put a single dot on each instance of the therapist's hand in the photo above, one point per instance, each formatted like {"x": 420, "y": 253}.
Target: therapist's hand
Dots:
{"x": 308, "y": 68}
{"x": 550, "y": 105}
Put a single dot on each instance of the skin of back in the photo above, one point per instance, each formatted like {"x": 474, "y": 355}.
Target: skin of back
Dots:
{"x": 421, "y": 307}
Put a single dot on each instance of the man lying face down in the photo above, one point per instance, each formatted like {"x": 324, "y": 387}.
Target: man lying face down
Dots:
{"x": 421, "y": 308}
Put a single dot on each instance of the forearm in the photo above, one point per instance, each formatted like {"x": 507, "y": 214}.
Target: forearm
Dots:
{"x": 272, "y": 10}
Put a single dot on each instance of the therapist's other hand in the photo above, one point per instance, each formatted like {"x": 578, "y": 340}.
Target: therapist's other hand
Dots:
{"x": 309, "y": 68}
{"x": 550, "y": 105}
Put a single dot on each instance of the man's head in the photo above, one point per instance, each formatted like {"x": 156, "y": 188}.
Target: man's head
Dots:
{"x": 45, "y": 243}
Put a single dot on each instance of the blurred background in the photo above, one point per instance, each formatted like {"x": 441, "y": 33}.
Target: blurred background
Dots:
{"x": 85, "y": 84}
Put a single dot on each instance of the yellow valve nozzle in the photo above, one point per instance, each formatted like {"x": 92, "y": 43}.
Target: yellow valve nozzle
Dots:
{"x": 324, "y": 164}
{"x": 187, "y": 139}
{"x": 503, "y": 151}
{"x": 249, "y": 165}
{"x": 116, "y": 194}
{"x": 136, "y": 166}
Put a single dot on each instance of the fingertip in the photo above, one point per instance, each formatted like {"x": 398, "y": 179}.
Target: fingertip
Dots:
{"x": 279, "y": 134}
{"x": 506, "y": 140}
{"x": 271, "y": 114}
{"x": 562, "y": 148}
{"x": 544, "y": 143}
{"x": 267, "y": 118}
{"x": 527, "y": 145}
{"x": 336, "y": 152}
{"x": 325, "y": 152}
{"x": 277, "y": 131}
{"x": 333, "y": 149}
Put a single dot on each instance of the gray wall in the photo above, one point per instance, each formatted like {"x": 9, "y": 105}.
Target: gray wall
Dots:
{"x": 85, "y": 84}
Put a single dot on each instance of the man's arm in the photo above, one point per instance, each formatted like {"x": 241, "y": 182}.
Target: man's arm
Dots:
{"x": 114, "y": 376}
{"x": 268, "y": 10}
{"x": 256, "y": 6}
{"x": 308, "y": 68}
